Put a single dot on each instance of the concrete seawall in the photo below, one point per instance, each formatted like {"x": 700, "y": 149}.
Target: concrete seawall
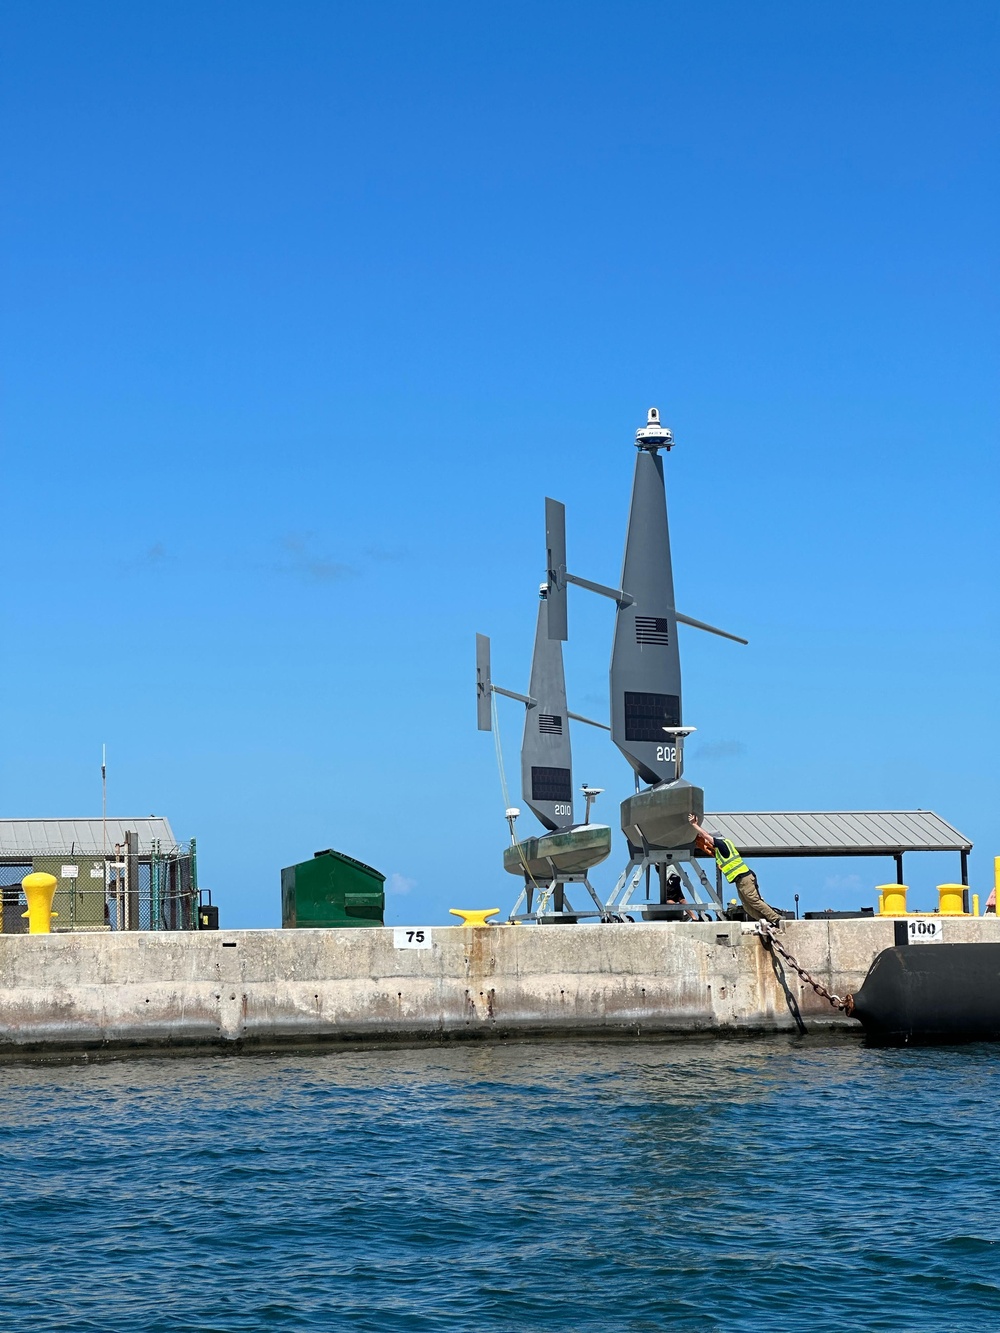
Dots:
{"x": 247, "y": 989}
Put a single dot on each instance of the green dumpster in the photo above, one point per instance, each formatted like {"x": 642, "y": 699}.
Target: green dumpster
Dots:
{"x": 331, "y": 890}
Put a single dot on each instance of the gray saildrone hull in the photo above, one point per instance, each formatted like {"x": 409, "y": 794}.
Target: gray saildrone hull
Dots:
{"x": 658, "y": 816}
{"x": 571, "y": 851}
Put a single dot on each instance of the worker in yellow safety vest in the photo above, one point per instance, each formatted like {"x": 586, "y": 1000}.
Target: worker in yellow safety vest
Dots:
{"x": 736, "y": 870}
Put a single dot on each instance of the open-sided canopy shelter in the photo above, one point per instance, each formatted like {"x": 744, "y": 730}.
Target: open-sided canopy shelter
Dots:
{"x": 841, "y": 833}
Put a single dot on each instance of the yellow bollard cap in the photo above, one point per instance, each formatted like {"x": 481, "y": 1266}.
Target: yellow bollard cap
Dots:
{"x": 39, "y": 880}
{"x": 476, "y": 916}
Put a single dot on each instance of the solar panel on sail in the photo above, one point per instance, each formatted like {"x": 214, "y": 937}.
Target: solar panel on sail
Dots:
{"x": 551, "y": 784}
{"x": 647, "y": 714}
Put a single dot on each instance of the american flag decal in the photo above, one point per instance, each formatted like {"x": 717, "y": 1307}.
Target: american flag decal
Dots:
{"x": 652, "y": 629}
{"x": 550, "y": 724}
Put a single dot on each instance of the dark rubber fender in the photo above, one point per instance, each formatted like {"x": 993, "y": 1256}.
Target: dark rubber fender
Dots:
{"x": 932, "y": 992}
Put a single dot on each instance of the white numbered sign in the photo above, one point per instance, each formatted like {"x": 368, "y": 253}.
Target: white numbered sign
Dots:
{"x": 925, "y": 930}
{"x": 411, "y": 937}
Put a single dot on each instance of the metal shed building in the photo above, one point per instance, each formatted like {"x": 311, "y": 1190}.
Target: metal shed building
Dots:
{"x": 112, "y": 874}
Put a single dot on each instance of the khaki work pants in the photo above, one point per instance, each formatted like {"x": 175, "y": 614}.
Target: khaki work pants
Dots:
{"x": 757, "y": 908}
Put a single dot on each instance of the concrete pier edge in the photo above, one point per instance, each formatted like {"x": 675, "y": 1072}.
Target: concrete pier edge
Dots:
{"x": 86, "y": 995}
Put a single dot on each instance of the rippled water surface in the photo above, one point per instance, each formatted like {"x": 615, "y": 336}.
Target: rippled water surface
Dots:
{"x": 723, "y": 1185}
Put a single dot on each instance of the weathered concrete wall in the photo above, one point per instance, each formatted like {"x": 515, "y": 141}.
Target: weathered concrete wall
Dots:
{"x": 266, "y": 988}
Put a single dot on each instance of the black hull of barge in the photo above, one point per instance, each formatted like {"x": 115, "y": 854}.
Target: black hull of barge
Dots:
{"x": 932, "y": 993}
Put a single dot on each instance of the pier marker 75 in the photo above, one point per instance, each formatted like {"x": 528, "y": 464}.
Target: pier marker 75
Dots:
{"x": 411, "y": 937}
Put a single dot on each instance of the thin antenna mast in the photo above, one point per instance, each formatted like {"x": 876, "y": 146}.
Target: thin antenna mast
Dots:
{"x": 104, "y": 809}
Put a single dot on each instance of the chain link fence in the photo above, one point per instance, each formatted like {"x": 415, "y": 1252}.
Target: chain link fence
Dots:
{"x": 155, "y": 889}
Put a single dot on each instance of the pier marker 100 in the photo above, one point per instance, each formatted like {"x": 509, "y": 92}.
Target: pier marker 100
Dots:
{"x": 925, "y": 930}
{"x": 411, "y": 937}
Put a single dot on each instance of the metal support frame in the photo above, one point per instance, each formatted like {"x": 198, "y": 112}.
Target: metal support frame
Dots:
{"x": 131, "y": 880}
{"x": 154, "y": 885}
{"x": 553, "y": 893}
{"x": 194, "y": 880}
{"x": 703, "y": 896}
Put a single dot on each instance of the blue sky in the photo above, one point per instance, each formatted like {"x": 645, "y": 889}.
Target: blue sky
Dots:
{"x": 306, "y": 308}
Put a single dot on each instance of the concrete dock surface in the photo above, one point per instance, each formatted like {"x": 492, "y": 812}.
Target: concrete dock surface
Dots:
{"x": 268, "y": 989}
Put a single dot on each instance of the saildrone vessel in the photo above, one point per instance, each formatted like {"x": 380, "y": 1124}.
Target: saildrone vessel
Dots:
{"x": 565, "y": 851}
{"x": 645, "y": 680}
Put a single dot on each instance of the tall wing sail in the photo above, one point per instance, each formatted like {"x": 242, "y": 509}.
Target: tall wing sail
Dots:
{"x": 645, "y": 661}
{"x": 555, "y": 556}
{"x": 546, "y": 765}
{"x": 484, "y": 684}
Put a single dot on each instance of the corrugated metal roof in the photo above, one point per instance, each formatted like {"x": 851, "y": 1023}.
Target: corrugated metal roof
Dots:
{"x": 63, "y": 837}
{"x": 837, "y": 832}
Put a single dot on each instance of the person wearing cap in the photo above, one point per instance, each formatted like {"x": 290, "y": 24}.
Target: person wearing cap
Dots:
{"x": 736, "y": 870}
{"x": 675, "y": 894}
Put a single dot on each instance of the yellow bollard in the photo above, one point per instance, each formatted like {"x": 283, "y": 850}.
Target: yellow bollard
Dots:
{"x": 39, "y": 889}
{"x": 881, "y": 903}
{"x": 951, "y": 899}
{"x": 991, "y": 901}
{"x": 893, "y": 899}
{"x": 975, "y": 904}
{"x": 476, "y": 917}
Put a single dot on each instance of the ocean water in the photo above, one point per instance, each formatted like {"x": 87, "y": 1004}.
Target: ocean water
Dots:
{"x": 777, "y": 1184}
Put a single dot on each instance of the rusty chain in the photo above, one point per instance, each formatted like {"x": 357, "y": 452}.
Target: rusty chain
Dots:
{"x": 769, "y": 938}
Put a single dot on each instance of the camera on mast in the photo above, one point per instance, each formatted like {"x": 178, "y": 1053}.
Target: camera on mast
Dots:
{"x": 654, "y": 435}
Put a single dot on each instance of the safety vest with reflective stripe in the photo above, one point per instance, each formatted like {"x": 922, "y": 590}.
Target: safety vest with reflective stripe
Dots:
{"x": 730, "y": 862}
